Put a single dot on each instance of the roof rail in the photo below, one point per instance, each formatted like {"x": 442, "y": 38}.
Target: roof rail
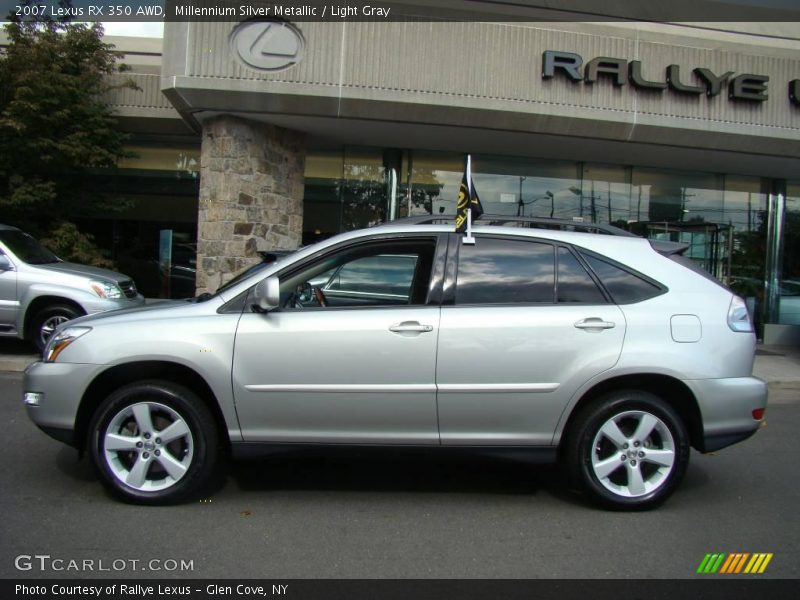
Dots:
{"x": 514, "y": 221}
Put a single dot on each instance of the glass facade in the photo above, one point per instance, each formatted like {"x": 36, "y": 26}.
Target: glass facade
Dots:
{"x": 789, "y": 282}
{"x": 725, "y": 218}
{"x": 744, "y": 230}
{"x": 156, "y": 189}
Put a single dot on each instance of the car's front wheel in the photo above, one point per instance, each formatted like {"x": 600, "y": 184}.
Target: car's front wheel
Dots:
{"x": 628, "y": 450}
{"x": 46, "y": 320}
{"x": 154, "y": 442}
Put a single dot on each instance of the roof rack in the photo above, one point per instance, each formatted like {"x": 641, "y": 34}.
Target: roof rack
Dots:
{"x": 514, "y": 221}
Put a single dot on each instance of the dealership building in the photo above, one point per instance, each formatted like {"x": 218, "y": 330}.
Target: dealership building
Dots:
{"x": 263, "y": 135}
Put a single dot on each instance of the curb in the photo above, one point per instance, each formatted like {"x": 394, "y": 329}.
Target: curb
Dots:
{"x": 784, "y": 385}
{"x": 17, "y": 365}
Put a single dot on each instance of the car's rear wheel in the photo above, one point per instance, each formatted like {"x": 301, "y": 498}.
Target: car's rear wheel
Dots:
{"x": 628, "y": 450}
{"x": 46, "y": 320}
{"x": 154, "y": 442}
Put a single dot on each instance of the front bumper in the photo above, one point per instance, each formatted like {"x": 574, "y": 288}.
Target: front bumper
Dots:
{"x": 60, "y": 387}
{"x": 726, "y": 407}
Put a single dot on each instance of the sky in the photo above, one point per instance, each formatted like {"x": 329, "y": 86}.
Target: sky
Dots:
{"x": 134, "y": 29}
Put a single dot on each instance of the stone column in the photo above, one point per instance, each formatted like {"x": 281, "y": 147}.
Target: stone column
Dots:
{"x": 251, "y": 196}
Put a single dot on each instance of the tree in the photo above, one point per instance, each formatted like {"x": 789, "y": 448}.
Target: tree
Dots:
{"x": 56, "y": 124}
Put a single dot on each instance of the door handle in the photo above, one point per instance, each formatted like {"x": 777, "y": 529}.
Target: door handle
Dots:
{"x": 410, "y": 327}
{"x": 594, "y": 323}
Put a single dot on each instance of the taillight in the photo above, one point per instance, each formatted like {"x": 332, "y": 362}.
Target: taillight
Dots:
{"x": 758, "y": 414}
{"x": 738, "y": 317}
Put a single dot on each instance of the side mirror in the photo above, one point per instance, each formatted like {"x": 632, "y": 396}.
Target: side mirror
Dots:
{"x": 5, "y": 264}
{"x": 267, "y": 293}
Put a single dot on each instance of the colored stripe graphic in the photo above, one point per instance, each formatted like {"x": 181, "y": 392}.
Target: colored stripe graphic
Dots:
{"x": 736, "y": 563}
{"x": 730, "y": 564}
{"x": 732, "y": 558}
{"x": 711, "y": 563}
{"x": 703, "y": 564}
{"x": 758, "y": 563}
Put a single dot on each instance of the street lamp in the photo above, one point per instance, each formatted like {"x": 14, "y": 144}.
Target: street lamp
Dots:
{"x": 549, "y": 194}
{"x": 579, "y": 192}
{"x": 521, "y": 205}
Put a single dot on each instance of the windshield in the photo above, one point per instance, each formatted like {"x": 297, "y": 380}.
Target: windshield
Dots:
{"x": 267, "y": 258}
{"x": 26, "y": 248}
{"x": 242, "y": 275}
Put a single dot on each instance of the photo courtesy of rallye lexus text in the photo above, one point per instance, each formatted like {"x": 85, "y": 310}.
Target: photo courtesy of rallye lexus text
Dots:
{"x": 101, "y": 591}
{"x": 578, "y": 343}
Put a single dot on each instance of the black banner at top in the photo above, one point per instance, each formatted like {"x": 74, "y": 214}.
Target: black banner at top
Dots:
{"x": 731, "y": 11}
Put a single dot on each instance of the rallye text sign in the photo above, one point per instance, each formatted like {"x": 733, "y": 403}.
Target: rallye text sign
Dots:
{"x": 746, "y": 87}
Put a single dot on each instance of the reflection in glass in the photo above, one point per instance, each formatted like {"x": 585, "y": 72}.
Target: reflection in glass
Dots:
{"x": 182, "y": 160}
{"x": 605, "y": 195}
{"x": 723, "y": 218}
{"x": 531, "y": 188}
{"x": 574, "y": 283}
{"x": 502, "y": 272}
{"x": 364, "y": 201}
{"x": 677, "y": 196}
{"x": 384, "y": 274}
{"x": 745, "y": 209}
{"x": 322, "y": 202}
{"x": 431, "y": 183}
{"x": 789, "y": 303}
{"x": 623, "y": 286}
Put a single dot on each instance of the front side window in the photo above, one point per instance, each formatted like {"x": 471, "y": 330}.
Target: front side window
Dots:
{"x": 378, "y": 274}
{"x": 386, "y": 275}
{"x": 496, "y": 271}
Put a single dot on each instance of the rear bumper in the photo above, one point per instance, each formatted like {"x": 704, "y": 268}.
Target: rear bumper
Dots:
{"x": 726, "y": 407}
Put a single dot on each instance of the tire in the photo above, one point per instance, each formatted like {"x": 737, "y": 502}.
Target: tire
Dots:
{"x": 134, "y": 459}
{"x": 46, "y": 320}
{"x": 628, "y": 450}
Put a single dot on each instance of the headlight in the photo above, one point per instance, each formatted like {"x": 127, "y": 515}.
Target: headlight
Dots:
{"x": 106, "y": 289}
{"x": 58, "y": 343}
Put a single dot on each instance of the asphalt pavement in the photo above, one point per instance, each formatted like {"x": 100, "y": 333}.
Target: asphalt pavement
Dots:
{"x": 394, "y": 515}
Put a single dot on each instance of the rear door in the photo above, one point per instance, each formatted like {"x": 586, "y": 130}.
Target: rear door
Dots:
{"x": 523, "y": 326}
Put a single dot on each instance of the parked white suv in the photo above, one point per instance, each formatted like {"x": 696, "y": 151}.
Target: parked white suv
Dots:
{"x": 609, "y": 352}
{"x": 39, "y": 291}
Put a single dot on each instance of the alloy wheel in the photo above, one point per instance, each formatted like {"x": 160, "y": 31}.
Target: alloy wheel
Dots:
{"x": 633, "y": 454}
{"x": 148, "y": 446}
{"x": 49, "y": 326}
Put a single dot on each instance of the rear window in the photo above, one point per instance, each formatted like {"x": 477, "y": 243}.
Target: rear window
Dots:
{"x": 574, "y": 282}
{"x": 624, "y": 286}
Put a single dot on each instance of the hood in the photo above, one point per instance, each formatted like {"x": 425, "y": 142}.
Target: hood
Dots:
{"x": 83, "y": 271}
{"x": 165, "y": 309}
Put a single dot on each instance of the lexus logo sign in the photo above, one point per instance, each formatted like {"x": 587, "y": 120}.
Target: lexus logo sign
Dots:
{"x": 268, "y": 45}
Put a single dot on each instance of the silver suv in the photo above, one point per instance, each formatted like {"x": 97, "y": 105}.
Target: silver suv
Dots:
{"x": 39, "y": 291}
{"x": 608, "y": 352}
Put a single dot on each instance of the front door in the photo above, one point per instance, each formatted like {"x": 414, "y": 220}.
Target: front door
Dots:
{"x": 350, "y": 355}
{"x": 9, "y": 305}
